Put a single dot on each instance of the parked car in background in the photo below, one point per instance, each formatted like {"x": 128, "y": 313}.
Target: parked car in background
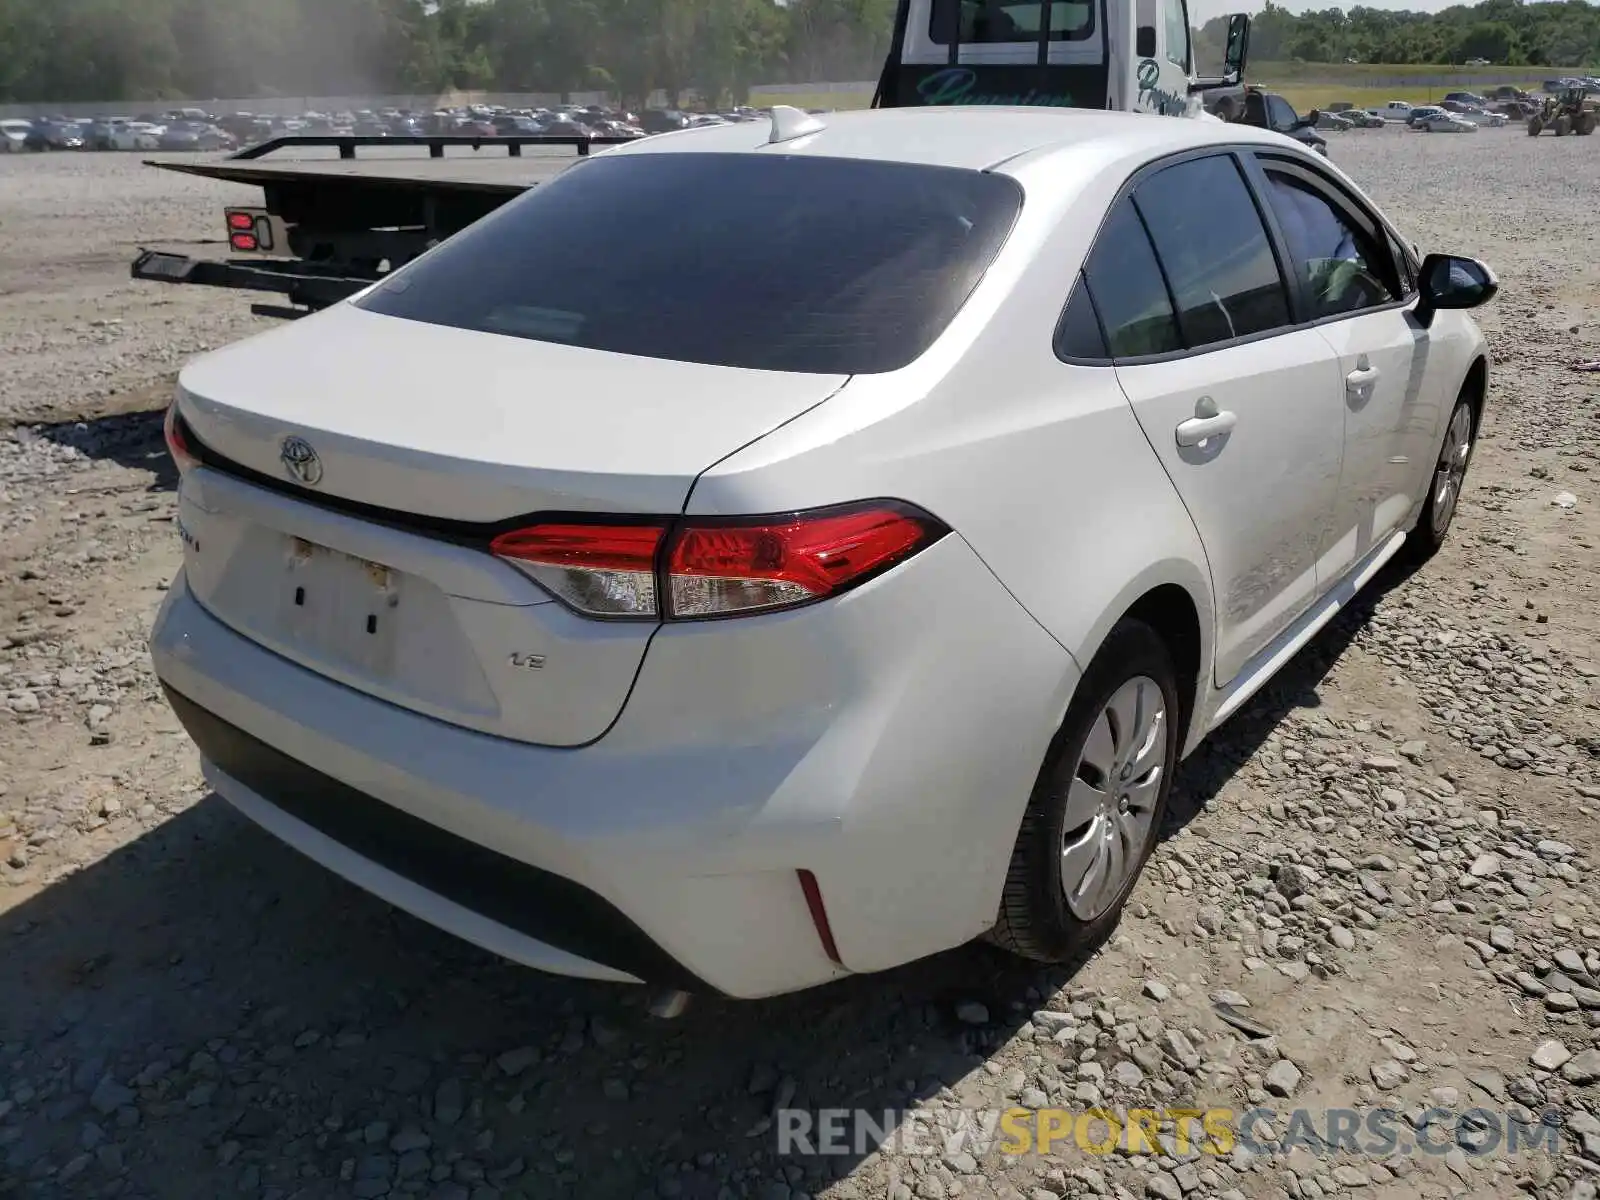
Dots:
{"x": 1334, "y": 121}
{"x": 1363, "y": 119}
{"x": 1394, "y": 110}
{"x": 111, "y": 133}
{"x": 663, "y": 120}
{"x": 15, "y": 134}
{"x": 1440, "y": 121}
{"x": 146, "y": 135}
{"x": 196, "y": 135}
{"x": 1474, "y": 113}
{"x": 1421, "y": 113}
{"x": 1471, "y": 99}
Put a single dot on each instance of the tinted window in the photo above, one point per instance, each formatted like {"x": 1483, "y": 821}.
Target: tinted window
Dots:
{"x": 1219, "y": 263}
{"x": 1129, "y": 294}
{"x": 1012, "y": 21}
{"x": 774, "y": 262}
{"x": 1177, "y": 34}
{"x": 1340, "y": 267}
{"x": 1078, "y": 335}
{"x": 1282, "y": 114}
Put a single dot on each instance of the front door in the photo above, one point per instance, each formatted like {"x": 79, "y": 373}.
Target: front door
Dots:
{"x": 1359, "y": 297}
{"x": 1245, "y": 413}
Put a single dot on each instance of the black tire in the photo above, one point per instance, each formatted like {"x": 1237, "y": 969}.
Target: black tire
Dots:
{"x": 1035, "y": 920}
{"x": 1428, "y": 534}
{"x": 1563, "y": 125}
{"x": 1534, "y": 126}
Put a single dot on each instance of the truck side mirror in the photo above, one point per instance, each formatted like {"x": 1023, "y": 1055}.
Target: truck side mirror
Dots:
{"x": 1144, "y": 41}
{"x": 1238, "y": 45}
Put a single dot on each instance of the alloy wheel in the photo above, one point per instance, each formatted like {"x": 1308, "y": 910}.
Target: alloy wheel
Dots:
{"x": 1451, "y": 470}
{"x": 1112, "y": 797}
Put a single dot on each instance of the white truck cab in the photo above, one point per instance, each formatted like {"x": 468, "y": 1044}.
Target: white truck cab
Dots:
{"x": 1129, "y": 55}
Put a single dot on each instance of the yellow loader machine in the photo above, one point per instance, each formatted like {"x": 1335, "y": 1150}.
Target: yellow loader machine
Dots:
{"x": 1568, "y": 112}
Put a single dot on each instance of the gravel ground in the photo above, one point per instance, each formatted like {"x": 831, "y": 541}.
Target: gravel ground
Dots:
{"x": 1378, "y": 886}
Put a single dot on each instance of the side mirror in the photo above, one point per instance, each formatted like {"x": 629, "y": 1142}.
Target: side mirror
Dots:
{"x": 1144, "y": 41}
{"x": 1448, "y": 281}
{"x": 1238, "y": 46}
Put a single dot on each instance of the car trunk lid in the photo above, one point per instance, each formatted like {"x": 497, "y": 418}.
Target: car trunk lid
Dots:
{"x": 359, "y": 465}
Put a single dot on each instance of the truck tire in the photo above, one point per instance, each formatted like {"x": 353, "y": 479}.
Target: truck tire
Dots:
{"x": 1563, "y": 125}
{"x": 1535, "y": 126}
{"x": 1585, "y": 124}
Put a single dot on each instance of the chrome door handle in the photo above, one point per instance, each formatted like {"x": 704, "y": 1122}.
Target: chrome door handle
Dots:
{"x": 1199, "y": 429}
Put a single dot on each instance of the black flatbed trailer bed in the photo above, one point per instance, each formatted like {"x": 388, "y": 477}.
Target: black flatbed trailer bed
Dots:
{"x": 466, "y": 172}
{"x": 346, "y": 221}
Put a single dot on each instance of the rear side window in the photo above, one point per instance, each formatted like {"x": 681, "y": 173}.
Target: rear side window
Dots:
{"x": 1078, "y": 336}
{"x": 766, "y": 261}
{"x": 1218, "y": 262}
{"x": 1129, "y": 294}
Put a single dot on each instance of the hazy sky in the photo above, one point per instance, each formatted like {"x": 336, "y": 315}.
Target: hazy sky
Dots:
{"x": 1201, "y": 11}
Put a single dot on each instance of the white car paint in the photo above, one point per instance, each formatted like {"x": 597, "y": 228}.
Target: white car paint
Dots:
{"x": 886, "y": 740}
{"x": 14, "y": 135}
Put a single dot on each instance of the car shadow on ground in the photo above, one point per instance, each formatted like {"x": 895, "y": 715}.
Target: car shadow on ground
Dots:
{"x": 129, "y": 439}
{"x": 277, "y": 1027}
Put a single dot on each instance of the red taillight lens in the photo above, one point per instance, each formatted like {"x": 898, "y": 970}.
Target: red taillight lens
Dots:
{"x": 240, "y": 221}
{"x": 715, "y": 568}
{"x": 177, "y": 445}
{"x": 601, "y": 570}
{"x": 243, "y": 241}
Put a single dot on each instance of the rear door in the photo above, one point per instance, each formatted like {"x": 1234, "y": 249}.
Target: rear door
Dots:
{"x": 1244, "y": 412}
{"x": 1359, "y": 299}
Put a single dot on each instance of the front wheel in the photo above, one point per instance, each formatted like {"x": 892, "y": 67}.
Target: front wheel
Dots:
{"x": 1563, "y": 126}
{"x": 1534, "y": 126}
{"x": 1444, "y": 485}
{"x": 1097, "y": 806}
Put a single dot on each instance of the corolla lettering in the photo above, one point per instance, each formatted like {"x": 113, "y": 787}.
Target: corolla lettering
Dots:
{"x": 1156, "y": 98}
{"x": 954, "y": 85}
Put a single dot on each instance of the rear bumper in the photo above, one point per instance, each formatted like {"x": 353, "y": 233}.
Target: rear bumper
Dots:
{"x": 887, "y": 748}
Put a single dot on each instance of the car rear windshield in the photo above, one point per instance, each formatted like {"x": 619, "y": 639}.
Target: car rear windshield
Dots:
{"x": 767, "y": 261}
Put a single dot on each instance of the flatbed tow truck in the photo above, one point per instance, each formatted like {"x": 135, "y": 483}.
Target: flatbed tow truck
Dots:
{"x": 329, "y": 228}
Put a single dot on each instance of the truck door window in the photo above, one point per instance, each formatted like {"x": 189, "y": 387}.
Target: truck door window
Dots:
{"x": 1177, "y": 33}
{"x": 990, "y": 21}
{"x": 1281, "y": 113}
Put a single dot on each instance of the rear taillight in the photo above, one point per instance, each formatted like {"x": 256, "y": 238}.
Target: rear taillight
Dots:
{"x": 696, "y": 568}
{"x": 177, "y": 444}
{"x": 600, "y": 570}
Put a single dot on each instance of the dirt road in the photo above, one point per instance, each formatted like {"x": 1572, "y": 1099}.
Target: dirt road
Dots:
{"x": 1387, "y": 865}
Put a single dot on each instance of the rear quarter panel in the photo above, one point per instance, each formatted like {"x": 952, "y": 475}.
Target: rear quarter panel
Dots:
{"x": 1041, "y": 466}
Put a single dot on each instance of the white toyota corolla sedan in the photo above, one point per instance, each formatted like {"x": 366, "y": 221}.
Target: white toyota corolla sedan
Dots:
{"x": 760, "y": 556}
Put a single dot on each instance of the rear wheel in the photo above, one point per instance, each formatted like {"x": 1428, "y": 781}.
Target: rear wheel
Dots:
{"x": 1563, "y": 125}
{"x": 1586, "y": 124}
{"x": 1097, "y": 806}
{"x": 1444, "y": 485}
{"x": 1534, "y": 126}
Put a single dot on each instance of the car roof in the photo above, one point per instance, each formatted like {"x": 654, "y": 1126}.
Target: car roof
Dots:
{"x": 976, "y": 137}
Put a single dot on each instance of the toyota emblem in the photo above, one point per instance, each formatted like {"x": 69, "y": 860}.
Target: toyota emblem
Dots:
{"x": 301, "y": 461}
